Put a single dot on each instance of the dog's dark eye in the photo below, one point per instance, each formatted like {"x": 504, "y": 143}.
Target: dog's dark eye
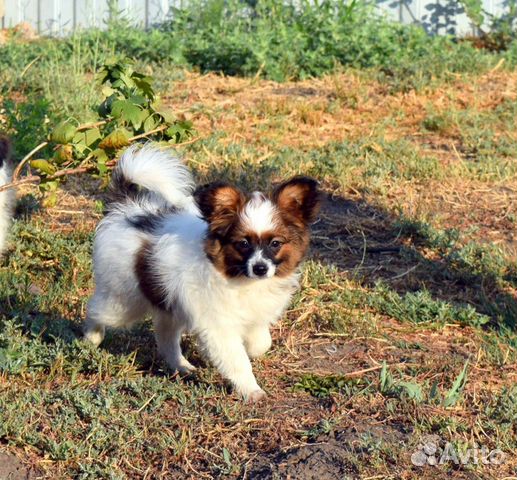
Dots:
{"x": 275, "y": 244}
{"x": 243, "y": 244}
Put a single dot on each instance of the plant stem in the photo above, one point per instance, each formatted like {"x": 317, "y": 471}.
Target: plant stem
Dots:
{"x": 25, "y": 159}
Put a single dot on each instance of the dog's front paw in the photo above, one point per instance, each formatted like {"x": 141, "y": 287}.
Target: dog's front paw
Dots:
{"x": 94, "y": 334}
{"x": 255, "y": 396}
{"x": 182, "y": 366}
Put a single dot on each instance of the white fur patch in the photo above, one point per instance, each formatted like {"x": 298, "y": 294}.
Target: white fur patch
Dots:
{"x": 6, "y": 205}
{"x": 161, "y": 172}
{"x": 259, "y": 214}
{"x": 257, "y": 258}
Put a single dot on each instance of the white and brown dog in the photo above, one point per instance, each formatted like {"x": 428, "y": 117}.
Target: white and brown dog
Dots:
{"x": 6, "y": 196}
{"x": 215, "y": 262}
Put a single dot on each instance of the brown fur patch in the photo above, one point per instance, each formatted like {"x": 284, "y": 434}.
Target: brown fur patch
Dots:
{"x": 5, "y": 149}
{"x": 298, "y": 197}
{"x": 147, "y": 281}
{"x": 292, "y": 253}
{"x": 220, "y": 204}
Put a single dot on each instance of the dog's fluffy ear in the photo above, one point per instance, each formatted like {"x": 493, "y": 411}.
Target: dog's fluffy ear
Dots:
{"x": 5, "y": 150}
{"x": 300, "y": 198}
{"x": 220, "y": 204}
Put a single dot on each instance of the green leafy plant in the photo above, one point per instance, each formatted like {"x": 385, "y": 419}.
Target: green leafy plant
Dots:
{"x": 496, "y": 31}
{"x": 421, "y": 307}
{"x": 453, "y": 395}
{"x": 388, "y": 386}
{"x": 129, "y": 112}
{"x": 397, "y": 388}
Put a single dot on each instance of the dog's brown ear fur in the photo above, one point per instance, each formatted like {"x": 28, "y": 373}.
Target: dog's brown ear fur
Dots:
{"x": 300, "y": 198}
{"x": 220, "y": 204}
{"x": 5, "y": 149}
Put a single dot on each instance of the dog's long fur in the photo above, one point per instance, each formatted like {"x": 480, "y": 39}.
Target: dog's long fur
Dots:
{"x": 6, "y": 196}
{"x": 214, "y": 262}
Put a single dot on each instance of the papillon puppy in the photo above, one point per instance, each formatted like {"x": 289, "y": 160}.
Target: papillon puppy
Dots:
{"x": 214, "y": 261}
{"x": 6, "y": 196}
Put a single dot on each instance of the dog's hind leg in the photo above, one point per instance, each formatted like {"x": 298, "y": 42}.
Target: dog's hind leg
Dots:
{"x": 167, "y": 331}
{"x": 105, "y": 311}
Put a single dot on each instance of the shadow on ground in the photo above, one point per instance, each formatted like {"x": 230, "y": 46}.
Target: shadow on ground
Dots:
{"x": 372, "y": 245}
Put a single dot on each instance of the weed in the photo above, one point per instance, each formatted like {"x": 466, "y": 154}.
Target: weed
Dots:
{"x": 304, "y": 40}
{"x": 388, "y": 386}
{"x": 503, "y": 407}
{"x": 413, "y": 390}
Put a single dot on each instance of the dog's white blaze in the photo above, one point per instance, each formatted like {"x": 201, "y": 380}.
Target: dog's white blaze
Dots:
{"x": 259, "y": 214}
{"x": 258, "y": 257}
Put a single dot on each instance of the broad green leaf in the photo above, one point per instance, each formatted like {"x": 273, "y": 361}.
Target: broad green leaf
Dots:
{"x": 63, "y": 154}
{"x": 150, "y": 123}
{"x": 85, "y": 140}
{"x": 126, "y": 79}
{"x": 63, "y": 133}
{"x": 143, "y": 116}
{"x": 50, "y": 200}
{"x": 172, "y": 132}
{"x": 107, "y": 91}
{"x": 117, "y": 139}
{"x": 43, "y": 166}
{"x": 179, "y": 130}
{"x": 127, "y": 112}
{"x": 138, "y": 99}
{"x": 101, "y": 158}
{"x": 145, "y": 85}
{"x": 413, "y": 390}
{"x": 79, "y": 143}
{"x": 167, "y": 115}
{"x": 91, "y": 136}
{"x": 175, "y": 131}
{"x": 453, "y": 395}
{"x": 100, "y": 155}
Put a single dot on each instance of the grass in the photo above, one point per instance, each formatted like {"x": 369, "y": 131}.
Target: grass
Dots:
{"x": 405, "y": 323}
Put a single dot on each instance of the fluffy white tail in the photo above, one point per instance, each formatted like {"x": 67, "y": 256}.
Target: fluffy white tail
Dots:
{"x": 156, "y": 170}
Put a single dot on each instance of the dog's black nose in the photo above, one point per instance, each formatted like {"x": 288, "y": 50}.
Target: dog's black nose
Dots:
{"x": 260, "y": 269}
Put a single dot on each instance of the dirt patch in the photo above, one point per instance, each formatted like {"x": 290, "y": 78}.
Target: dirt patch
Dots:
{"x": 11, "y": 468}
{"x": 310, "y": 462}
{"x": 333, "y": 456}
